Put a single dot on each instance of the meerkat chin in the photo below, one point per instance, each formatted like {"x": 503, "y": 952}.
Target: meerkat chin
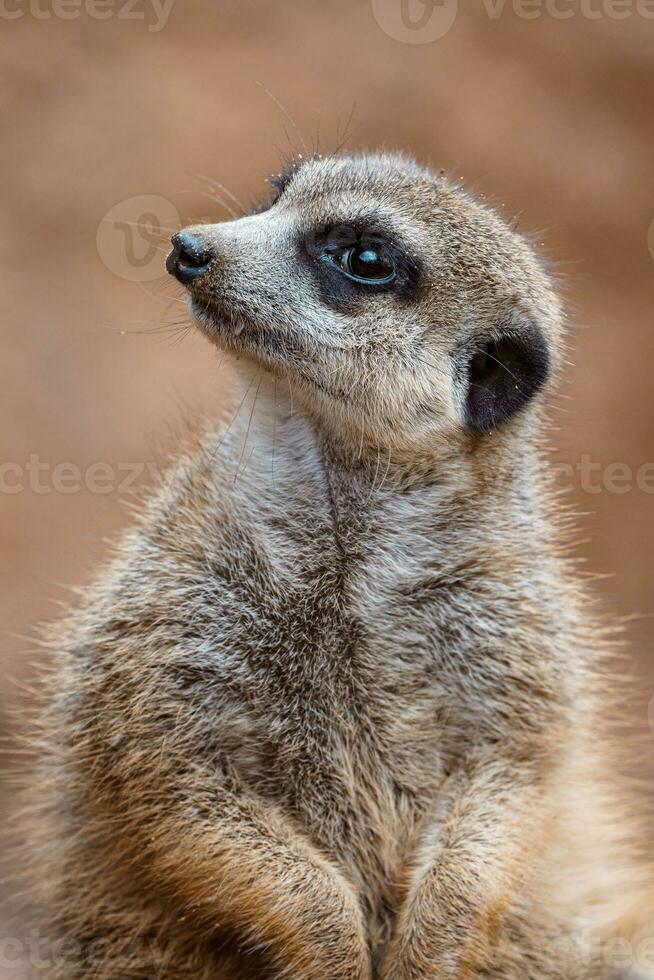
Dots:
{"x": 336, "y": 708}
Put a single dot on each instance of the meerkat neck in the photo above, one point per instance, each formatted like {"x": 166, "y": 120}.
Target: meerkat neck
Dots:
{"x": 271, "y": 428}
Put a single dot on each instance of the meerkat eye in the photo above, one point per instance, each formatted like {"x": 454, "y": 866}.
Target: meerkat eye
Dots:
{"x": 362, "y": 256}
{"x": 366, "y": 263}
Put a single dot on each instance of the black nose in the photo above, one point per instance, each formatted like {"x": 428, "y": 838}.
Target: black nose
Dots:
{"x": 189, "y": 259}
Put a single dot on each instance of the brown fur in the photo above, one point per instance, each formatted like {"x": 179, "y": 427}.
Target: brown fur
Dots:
{"x": 332, "y": 711}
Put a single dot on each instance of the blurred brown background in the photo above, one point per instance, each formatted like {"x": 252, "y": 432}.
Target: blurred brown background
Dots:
{"x": 549, "y": 115}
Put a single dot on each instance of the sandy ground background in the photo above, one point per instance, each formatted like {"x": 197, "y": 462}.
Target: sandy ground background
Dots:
{"x": 109, "y": 130}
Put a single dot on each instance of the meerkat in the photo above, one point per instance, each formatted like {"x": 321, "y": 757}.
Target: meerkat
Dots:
{"x": 331, "y": 712}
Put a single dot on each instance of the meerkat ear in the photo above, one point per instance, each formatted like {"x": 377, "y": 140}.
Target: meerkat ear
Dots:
{"x": 504, "y": 373}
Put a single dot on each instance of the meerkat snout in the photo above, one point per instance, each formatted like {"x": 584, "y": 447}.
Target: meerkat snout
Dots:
{"x": 190, "y": 258}
{"x": 388, "y": 296}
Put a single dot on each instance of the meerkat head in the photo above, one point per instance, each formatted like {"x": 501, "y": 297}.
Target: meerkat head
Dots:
{"x": 399, "y": 309}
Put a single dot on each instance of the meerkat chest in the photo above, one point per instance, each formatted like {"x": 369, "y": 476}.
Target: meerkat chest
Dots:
{"x": 327, "y": 647}
{"x": 337, "y": 677}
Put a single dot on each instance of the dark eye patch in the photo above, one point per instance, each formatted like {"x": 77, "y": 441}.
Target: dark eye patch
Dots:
{"x": 322, "y": 246}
